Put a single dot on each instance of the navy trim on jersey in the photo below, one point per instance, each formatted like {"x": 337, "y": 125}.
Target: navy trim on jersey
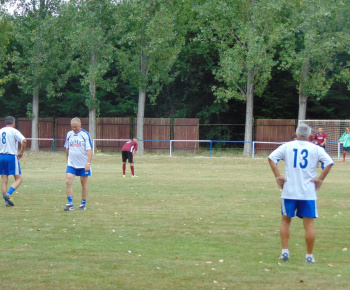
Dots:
{"x": 89, "y": 137}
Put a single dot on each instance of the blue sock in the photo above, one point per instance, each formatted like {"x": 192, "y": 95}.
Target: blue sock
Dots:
{"x": 11, "y": 190}
{"x": 70, "y": 200}
{"x": 83, "y": 201}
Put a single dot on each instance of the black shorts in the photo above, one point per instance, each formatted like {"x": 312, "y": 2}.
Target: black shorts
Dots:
{"x": 127, "y": 155}
{"x": 347, "y": 149}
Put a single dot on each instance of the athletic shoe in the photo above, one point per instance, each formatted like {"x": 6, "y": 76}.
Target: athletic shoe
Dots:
{"x": 82, "y": 207}
{"x": 8, "y": 199}
{"x": 123, "y": 175}
{"x": 69, "y": 207}
{"x": 134, "y": 176}
{"x": 310, "y": 260}
{"x": 343, "y": 160}
{"x": 7, "y": 204}
{"x": 284, "y": 257}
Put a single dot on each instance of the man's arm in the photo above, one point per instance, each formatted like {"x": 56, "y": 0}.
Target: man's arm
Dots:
{"x": 23, "y": 146}
{"x": 324, "y": 142}
{"x": 279, "y": 179}
{"x": 67, "y": 153}
{"x": 318, "y": 180}
{"x": 88, "y": 162}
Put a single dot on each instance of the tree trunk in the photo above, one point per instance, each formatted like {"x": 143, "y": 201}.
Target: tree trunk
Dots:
{"x": 92, "y": 110}
{"x": 141, "y": 105}
{"x": 302, "y": 96}
{"x": 302, "y": 106}
{"x": 140, "y": 120}
{"x": 248, "y": 134}
{"x": 92, "y": 102}
{"x": 35, "y": 120}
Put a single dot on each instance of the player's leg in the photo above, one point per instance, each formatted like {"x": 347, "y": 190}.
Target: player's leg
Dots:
{"x": 284, "y": 235}
{"x": 16, "y": 183}
{"x": 124, "y": 158}
{"x": 4, "y": 181}
{"x": 310, "y": 237}
{"x": 310, "y": 234}
{"x": 84, "y": 191}
{"x": 69, "y": 191}
{"x": 288, "y": 207}
{"x": 307, "y": 210}
{"x": 131, "y": 161}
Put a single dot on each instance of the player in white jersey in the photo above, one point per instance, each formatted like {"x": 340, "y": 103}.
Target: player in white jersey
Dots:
{"x": 9, "y": 164}
{"x": 299, "y": 185}
{"x": 79, "y": 154}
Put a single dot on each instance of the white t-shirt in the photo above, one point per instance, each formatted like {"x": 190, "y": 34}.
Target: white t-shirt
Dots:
{"x": 9, "y": 140}
{"x": 78, "y": 145}
{"x": 301, "y": 158}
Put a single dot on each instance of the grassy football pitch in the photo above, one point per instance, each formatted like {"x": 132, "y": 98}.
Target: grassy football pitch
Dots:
{"x": 185, "y": 223}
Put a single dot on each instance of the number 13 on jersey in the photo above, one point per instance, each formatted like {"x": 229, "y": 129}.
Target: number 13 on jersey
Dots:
{"x": 304, "y": 154}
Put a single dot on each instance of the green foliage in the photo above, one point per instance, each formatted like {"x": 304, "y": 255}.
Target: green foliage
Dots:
{"x": 318, "y": 34}
{"x": 149, "y": 43}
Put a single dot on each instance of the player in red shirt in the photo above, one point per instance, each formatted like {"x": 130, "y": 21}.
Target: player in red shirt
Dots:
{"x": 128, "y": 151}
{"x": 321, "y": 138}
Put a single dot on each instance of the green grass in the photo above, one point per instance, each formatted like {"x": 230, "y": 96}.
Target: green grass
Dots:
{"x": 184, "y": 223}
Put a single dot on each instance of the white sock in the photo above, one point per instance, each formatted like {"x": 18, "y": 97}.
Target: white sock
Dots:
{"x": 285, "y": 251}
{"x": 309, "y": 255}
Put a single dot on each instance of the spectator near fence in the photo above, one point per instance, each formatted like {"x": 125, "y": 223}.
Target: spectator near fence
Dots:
{"x": 345, "y": 138}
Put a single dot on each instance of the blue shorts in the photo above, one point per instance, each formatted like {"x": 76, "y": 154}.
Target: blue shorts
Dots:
{"x": 9, "y": 165}
{"x": 78, "y": 171}
{"x": 300, "y": 208}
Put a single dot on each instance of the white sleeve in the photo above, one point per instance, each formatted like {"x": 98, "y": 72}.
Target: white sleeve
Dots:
{"x": 278, "y": 154}
{"x": 324, "y": 157}
{"x": 66, "y": 142}
{"x": 18, "y": 135}
{"x": 88, "y": 142}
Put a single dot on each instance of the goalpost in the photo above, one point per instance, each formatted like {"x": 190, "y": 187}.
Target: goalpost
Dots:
{"x": 334, "y": 130}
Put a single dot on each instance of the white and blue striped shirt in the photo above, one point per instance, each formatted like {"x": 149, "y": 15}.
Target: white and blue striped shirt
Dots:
{"x": 301, "y": 158}
{"x": 9, "y": 140}
{"x": 78, "y": 144}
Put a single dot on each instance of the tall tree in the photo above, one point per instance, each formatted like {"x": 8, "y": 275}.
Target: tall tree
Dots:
{"x": 246, "y": 33}
{"x": 317, "y": 35}
{"x": 6, "y": 29}
{"x": 91, "y": 30}
{"x": 150, "y": 43}
{"x": 38, "y": 59}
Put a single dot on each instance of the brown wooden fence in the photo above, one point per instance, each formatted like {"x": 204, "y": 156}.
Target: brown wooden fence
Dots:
{"x": 157, "y": 130}
{"x": 273, "y": 130}
{"x": 186, "y": 129}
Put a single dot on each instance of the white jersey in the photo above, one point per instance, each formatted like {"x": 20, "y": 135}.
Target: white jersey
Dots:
{"x": 9, "y": 140}
{"x": 78, "y": 145}
{"x": 301, "y": 158}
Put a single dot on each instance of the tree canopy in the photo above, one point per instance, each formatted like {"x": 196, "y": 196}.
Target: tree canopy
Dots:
{"x": 225, "y": 62}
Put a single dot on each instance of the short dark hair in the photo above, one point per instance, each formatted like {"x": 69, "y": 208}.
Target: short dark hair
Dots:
{"x": 9, "y": 120}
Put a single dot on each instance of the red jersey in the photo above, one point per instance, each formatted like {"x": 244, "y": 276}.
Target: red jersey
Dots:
{"x": 319, "y": 138}
{"x": 130, "y": 146}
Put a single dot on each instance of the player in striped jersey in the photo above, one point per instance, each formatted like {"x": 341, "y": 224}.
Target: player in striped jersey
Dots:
{"x": 299, "y": 185}
{"x": 79, "y": 154}
{"x": 9, "y": 164}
